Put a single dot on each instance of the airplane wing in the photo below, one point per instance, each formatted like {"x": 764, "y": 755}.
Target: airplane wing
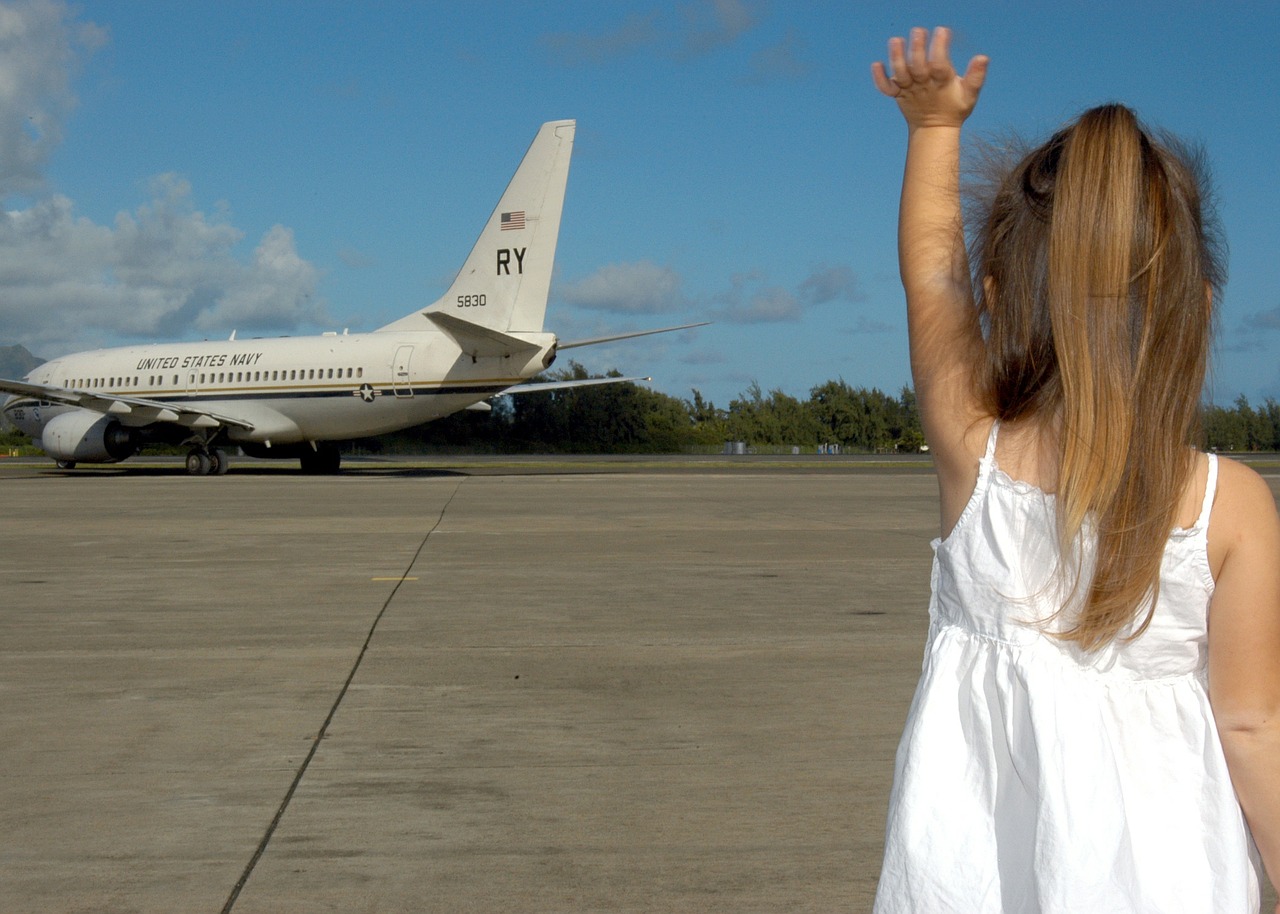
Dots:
{"x": 560, "y": 385}
{"x": 131, "y": 410}
{"x": 626, "y": 336}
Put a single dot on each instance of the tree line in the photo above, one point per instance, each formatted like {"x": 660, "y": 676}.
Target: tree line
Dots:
{"x": 631, "y": 419}
{"x": 627, "y": 418}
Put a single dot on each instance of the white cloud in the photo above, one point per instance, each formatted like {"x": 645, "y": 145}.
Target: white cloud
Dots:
{"x": 635, "y": 33}
{"x": 643, "y": 287}
{"x": 38, "y": 52}
{"x": 826, "y": 284}
{"x": 700, "y": 28}
{"x": 1263, "y": 320}
{"x": 752, "y": 300}
{"x": 714, "y": 23}
{"x": 161, "y": 271}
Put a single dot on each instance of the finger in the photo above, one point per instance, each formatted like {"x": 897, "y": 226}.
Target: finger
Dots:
{"x": 976, "y": 74}
{"x": 940, "y": 68}
{"x": 898, "y": 62}
{"x": 882, "y": 81}
{"x": 917, "y": 56}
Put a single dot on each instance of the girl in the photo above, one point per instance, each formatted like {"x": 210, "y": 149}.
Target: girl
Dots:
{"x": 1097, "y": 715}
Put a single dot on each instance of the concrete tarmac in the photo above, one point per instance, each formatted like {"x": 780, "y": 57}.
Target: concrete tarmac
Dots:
{"x": 498, "y": 686}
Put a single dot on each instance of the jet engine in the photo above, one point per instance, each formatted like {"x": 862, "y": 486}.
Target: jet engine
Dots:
{"x": 83, "y": 435}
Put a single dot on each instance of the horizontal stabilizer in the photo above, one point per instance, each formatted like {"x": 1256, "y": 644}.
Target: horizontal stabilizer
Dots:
{"x": 478, "y": 341}
{"x": 627, "y": 336}
{"x": 562, "y": 385}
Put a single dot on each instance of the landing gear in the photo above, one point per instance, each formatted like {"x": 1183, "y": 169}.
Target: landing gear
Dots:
{"x": 218, "y": 462}
{"x": 65, "y": 464}
{"x": 207, "y": 463}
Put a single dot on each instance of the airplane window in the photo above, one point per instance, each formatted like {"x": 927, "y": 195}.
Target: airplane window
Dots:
{"x": 311, "y": 374}
{"x": 202, "y": 379}
{"x": 175, "y": 380}
{"x": 331, "y": 372}
{"x": 360, "y": 372}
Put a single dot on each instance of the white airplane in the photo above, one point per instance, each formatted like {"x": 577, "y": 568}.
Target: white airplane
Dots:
{"x": 297, "y": 397}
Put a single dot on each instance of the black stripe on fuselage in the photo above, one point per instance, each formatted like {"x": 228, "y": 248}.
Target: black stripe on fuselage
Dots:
{"x": 241, "y": 393}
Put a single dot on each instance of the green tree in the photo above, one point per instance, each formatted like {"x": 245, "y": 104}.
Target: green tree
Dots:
{"x": 775, "y": 419}
{"x": 1225, "y": 429}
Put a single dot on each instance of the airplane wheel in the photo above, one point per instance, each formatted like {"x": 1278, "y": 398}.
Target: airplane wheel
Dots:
{"x": 198, "y": 464}
{"x": 65, "y": 464}
{"x": 218, "y": 462}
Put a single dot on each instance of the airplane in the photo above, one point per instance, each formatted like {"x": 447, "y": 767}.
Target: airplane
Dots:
{"x": 299, "y": 397}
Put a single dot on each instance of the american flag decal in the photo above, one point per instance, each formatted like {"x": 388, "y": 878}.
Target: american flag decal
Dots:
{"x": 512, "y": 221}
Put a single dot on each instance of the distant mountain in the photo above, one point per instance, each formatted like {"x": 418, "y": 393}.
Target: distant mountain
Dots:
{"x": 15, "y": 362}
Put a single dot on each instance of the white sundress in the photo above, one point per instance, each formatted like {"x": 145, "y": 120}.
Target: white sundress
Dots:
{"x": 1033, "y": 777}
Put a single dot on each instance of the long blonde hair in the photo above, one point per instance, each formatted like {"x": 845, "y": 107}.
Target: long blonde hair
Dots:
{"x": 1095, "y": 258}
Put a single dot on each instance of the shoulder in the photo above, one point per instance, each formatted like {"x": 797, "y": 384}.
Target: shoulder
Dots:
{"x": 1242, "y": 492}
{"x": 1244, "y": 516}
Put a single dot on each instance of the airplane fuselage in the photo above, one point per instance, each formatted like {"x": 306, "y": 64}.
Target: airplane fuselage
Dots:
{"x": 290, "y": 390}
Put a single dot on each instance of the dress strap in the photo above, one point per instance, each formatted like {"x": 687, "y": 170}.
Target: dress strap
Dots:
{"x": 1210, "y": 488}
{"x": 991, "y": 441}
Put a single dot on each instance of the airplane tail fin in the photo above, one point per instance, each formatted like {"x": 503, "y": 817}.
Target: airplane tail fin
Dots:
{"x": 504, "y": 282}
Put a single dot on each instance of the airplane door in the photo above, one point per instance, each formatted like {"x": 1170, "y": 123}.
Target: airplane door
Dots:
{"x": 401, "y": 381}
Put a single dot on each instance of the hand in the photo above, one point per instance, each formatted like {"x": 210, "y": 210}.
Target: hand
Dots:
{"x": 925, "y": 85}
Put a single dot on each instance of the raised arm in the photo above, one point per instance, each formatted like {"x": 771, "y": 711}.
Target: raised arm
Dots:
{"x": 942, "y": 323}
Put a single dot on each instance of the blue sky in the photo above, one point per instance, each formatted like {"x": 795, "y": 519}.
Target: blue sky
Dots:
{"x": 179, "y": 170}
